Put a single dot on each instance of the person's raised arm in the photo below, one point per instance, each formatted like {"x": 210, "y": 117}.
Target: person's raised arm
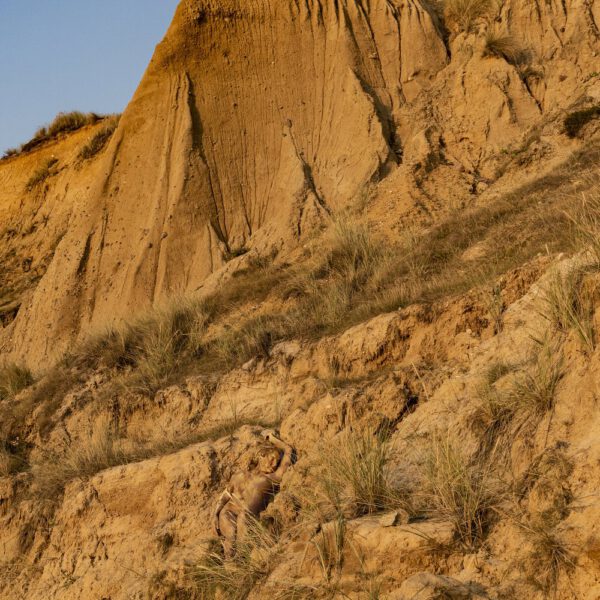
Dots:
{"x": 223, "y": 500}
{"x": 288, "y": 453}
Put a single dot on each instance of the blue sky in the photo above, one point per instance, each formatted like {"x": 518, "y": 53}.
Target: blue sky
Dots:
{"x": 61, "y": 55}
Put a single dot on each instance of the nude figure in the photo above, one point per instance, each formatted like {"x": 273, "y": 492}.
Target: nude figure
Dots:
{"x": 248, "y": 494}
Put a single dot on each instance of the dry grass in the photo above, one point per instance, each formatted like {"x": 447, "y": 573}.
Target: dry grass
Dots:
{"x": 570, "y": 307}
{"x": 103, "y": 448}
{"x": 586, "y": 218}
{"x": 463, "y": 14}
{"x": 505, "y": 46}
{"x": 461, "y": 491}
{"x": 215, "y": 577}
{"x": 41, "y": 174}
{"x": 100, "y": 139}
{"x": 14, "y": 378}
{"x": 350, "y": 476}
{"x": 350, "y": 277}
{"x": 534, "y": 390}
{"x": 62, "y": 123}
{"x": 97, "y": 451}
{"x": 329, "y": 546}
{"x": 551, "y": 555}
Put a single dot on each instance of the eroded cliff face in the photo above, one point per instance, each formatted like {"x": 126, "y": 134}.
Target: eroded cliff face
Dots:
{"x": 255, "y": 122}
{"x": 254, "y": 126}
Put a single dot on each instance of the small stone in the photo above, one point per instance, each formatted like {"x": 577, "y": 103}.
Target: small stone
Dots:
{"x": 393, "y": 519}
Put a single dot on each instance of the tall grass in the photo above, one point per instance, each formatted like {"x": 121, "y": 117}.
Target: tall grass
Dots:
{"x": 534, "y": 390}
{"x": 215, "y": 577}
{"x": 569, "y": 308}
{"x": 461, "y": 491}
{"x": 505, "y": 46}
{"x": 100, "y": 139}
{"x": 14, "y": 378}
{"x": 350, "y": 476}
{"x": 96, "y": 451}
{"x": 463, "y": 14}
{"x": 586, "y": 218}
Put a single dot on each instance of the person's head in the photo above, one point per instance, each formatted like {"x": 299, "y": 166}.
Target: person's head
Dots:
{"x": 267, "y": 459}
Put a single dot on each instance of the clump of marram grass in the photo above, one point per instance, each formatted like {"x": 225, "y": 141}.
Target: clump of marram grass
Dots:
{"x": 350, "y": 476}
{"x": 463, "y": 14}
{"x": 569, "y": 308}
{"x": 586, "y": 220}
{"x": 100, "y": 139}
{"x": 505, "y": 46}
{"x": 551, "y": 554}
{"x": 460, "y": 490}
{"x": 156, "y": 345}
{"x": 216, "y": 577}
{"x": 534, "y": 390}
{"x": 41, "y": 174}
{"x": 70, "y": 121}
{"x": 94, "y": 452}
{"x": 14, "y": 378}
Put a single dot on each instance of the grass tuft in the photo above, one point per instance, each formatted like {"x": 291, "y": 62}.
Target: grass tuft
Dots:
{"x": 41, "y": 174}
{"x": 534, "y": 390}
{"x": 505, "y": 46}
{"x": 568, "y": 307}
{"x": 463, "y": 14}
{"x": 95, "y": 452}
{"x": 215, "y": 577}
{"x": 461, "y": 491}
{"x": 14, "y": 378}
{"x": 100, "y": 139}
{"x": 350, "y": 477}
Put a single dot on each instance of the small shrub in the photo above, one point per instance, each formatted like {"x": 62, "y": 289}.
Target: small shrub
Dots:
{"x": 506, "y": 47}
{"x": 575, "y": 121}
{"x": 10, "y": 152}
{"x": 10, "y": 463}
{"x": 567, "y": 307}
{"x": 100, "y": 139}
{"x": 461, "y": 491}
{"x": 41, "y": 174}
{"x": 462, "y": 14}
{"x": 13, "y": 379}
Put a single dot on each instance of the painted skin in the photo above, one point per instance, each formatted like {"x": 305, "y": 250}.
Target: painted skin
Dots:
{"x": 248, "y": 494}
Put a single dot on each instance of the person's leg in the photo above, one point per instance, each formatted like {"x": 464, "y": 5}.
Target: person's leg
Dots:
{"x": 228, "y": 526}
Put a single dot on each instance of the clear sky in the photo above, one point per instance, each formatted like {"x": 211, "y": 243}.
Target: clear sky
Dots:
{"x": 61, "y": 55}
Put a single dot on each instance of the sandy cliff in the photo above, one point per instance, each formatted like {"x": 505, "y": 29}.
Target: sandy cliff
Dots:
{"x": 260, "y": 131}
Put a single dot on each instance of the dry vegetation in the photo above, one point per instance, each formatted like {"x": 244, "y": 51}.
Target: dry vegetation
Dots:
{"x": 62, "y": 123}
{"x": 349, "y": 477}
{"x": 463, "y": 14}
{"x": 41, "y": 174}
{"x": 100, "y": 139}
{"x": 505, "y": 46}
{"x": 460, "y": 490}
